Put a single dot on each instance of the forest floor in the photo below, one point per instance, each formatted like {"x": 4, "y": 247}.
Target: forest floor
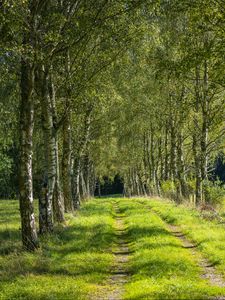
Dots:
{"x": 116, "y": 248}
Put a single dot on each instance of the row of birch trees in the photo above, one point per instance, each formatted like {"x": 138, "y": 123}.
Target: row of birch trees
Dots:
{"x": 54, "y": 53}
{"x": 172, "y": 131}
{"x": 93, "y": 88}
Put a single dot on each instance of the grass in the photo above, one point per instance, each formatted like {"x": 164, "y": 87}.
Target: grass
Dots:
{"x": 161, "y": 268}
{"x": 209, "y": 235}
{"x": 72, "y": 262}
{"x": 75, "y": 261}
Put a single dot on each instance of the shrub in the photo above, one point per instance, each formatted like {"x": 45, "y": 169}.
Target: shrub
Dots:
{"x": 169, "y": 189}
{"x": 214, "y": 192}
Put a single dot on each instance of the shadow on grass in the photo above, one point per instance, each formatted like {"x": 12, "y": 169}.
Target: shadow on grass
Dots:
{"x": 96, "y": 235}
{"x": 10, "y": 240}
{"x": 138, "y": 232}
{"x": 97, "y": 239}
{"x": 150, "y": 246}
{"x": 80, "y": 249}
{"x": 26, "y": 295}
{"x": 9, "y": 234}
{"x": 8, "y": 215}
{"x": 161, "y": 267}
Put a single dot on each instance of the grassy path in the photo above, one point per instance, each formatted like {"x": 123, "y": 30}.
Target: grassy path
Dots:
{"x": 116, "y": 249}
{"x": 208, "y": 269}
{"x": 209, "y": 236}
{"x": 162, "y": 267}
{"x": 121, "y": 252}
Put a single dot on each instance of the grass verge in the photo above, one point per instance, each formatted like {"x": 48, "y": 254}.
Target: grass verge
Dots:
{"x": 72, "y": 263}
{"x": 161, "y": 268}
{"x": 208, "y": 235}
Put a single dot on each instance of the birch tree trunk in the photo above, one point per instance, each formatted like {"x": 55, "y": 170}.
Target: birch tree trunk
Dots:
{"x": 49, "y": 178}
{"x": 198, "y": 182}
{"x": 195, "y": 137}
{"x": 25, "y": 176}
{"x": 28, "y": 227}
{"x": 80, "y": 180}
{"x": 152, "y": 158}
{"x": 86, "y": 175}
{"x": 66, "y": 164}
{"x": 58, "y": 199}
{"x": 67, "y": 145}
{"x": 76, "y": 182}
{"x": 83, "y": 191}
{"x": 180, "y": 166}
{"x": 145, "y": 165}
{"x": 205, "y": 122}
{"x": 173, "y": 167}
{"x": 166, "y": 167}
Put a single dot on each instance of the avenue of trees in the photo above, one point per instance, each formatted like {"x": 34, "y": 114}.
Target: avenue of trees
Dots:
{"x": 97, "y": 88}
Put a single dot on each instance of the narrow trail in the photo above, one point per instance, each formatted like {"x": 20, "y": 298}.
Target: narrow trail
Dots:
{"x": 120, "y": 274}
{"x": 209, "y": 272}
{"x": 124, "y": 246}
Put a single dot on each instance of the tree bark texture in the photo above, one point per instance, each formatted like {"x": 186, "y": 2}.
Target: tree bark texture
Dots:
{"x": 66, "y": 164}
{"x": 49, "y": 177}
{"x": 28, "y": 227}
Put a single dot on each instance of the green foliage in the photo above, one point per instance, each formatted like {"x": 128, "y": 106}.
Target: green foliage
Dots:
{"x": 168, "y": 186}
{"x": 140, "y": 84}
{"x": 169, "y": 189}
{"x": 214, "y": 192}
{"x": 8, "y": 125}
{"x": 6, "y": 164}
{"x": 191, "y": 185}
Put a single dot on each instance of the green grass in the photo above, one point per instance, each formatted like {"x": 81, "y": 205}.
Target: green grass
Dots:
{"x": 161, "y": 268}
{"x": 208, "y": 235}
{"x": 72, "y": 262}
{"x": 75, "y": 261}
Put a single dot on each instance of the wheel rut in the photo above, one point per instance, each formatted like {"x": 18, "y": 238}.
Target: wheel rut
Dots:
{"x": 209, "y": 272}
{"x": 119, "y": 271}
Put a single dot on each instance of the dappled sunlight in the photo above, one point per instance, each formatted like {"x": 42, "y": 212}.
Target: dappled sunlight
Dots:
{"x": 77, "y": 260}
{"x": 161, "y": 268}
{"x": 77, "y": 255}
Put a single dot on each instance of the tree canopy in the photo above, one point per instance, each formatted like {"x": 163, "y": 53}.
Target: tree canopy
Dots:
{"x": 90, "y": 89}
